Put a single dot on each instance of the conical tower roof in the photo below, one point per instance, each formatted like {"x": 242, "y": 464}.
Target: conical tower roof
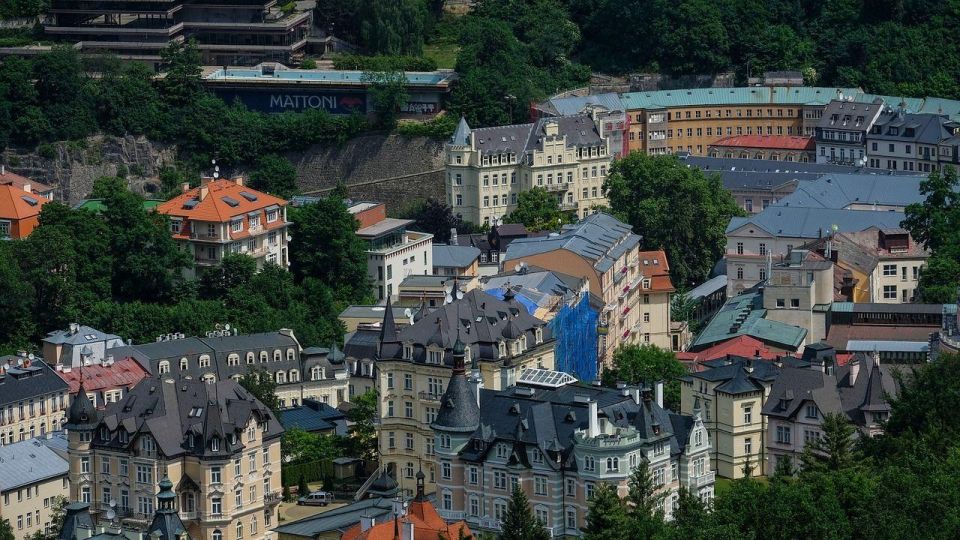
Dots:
{"x": 82, "y": 414}
{"x": 458, "y": 405}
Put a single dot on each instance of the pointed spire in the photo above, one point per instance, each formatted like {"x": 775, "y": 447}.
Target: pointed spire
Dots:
{"x": 459, "y": 355}
{"x": 388, "y": 330}
{"x": 82, "y": 414}
{"x": 461, "y": 136}
{"x": 420, "y": 481}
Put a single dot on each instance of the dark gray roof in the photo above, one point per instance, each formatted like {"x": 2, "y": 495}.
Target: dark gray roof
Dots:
{"x": 843, "y": 115}
{"x": 461, "y": 136}
{"x": 923, "y": 128}
{"x": 362, "y": 344}
{"x": 599, "y": 237}
{"x": 454, "y": 256}
{"x": 459, "y": 411}
{"x": 477, "y": 319}
{"x": 22, "y": 382}
{"x": 76, "y": 520}
{"x": 545, "y": 419}
{"x": 580, "y": 131}
{"x": 314, "y": 416}
{"x": 338, "y": 519}
{"x": 173, "y": 410}
{"x": 28, "y": 462}
{"x": 82, "y": 414}
{"x": 81, "y": 335}
{"x": 794, "y": 222}
{"x": 738, "y": 375}
{"x": 846, "y": 190}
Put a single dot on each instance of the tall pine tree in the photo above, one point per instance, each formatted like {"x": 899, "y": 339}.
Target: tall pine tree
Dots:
{"x": 606, "y": 516}
{"x": 519, "y": 523}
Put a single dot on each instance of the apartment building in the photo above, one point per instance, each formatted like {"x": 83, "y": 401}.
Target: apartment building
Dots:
{"x": 241, "y": 33}
{"x": 874, "y": 265}
{"x": 455, "y": 260}
{"x": 833, "y": 203}
{"x": 557, "y": 439}
{"x": 634, "y": 285}
{"x": 19, "y": 211}
{"x": 218, "y": 446}
{"x": 33, "y": 483}
{"x": 414, "y": 365}
{"x": 790, "y": 148}
{"x": 104, "y": 382}
{"x": 799, "y": 292}
{"x": 801, "y": 396}
{"x": 299, "y": 372}
{"x": 393, "y": 253}
{"x": 731, "y": 392}
{"x": 690, "y": 120}
{"x": 902, "y": 141}
{"x": 492, "y": 244}
{"x": 78, "y": 345}
{"x": 605, "y": 108}
{"x": 488, "y": 168}
{"x": 743, "y": 319}
{"x": 33, "y": 398}
{"x": 10, "y": 178}
{"x": 841, "y": 132}
{"x": 223, "y": 216}
{"x": 166, "y": 524}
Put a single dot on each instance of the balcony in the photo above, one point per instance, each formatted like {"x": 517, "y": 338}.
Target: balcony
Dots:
{"x": 569, "y": 205}
{"x": 702, "y": 480}
{"x": 451, "y": 515}
{"x": 429, "y": 396}
{"x": 561, "y": 186}
{"x": 204, "y": 235}
{"x": 490, "y": 524}
{"x": 274, "y": 497}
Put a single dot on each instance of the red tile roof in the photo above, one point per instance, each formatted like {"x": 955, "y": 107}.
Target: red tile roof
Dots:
{"x": 427, "y": 524}
{"x": 15, "y": 203}
{"x": 745, "y": 346}
{"x": 123, "y": 373}
{"x": 8, "y": 178}
{"x": 654, "y": 265}
{"x": 212, "y": 207}
{"x": 782, "y": 142}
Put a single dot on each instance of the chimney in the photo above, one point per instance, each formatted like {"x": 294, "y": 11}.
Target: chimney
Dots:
{"x": 453, "y": 236}
{"x": 593, "y": 428}
{"x": 3, "y": 170}
{"x": 876, "y": 357}
{"x": 854, "y": 371}
{"x": 367, "y": 522}
{"x": 239, "y": 181}
{"x": 476, "y": 384}
{"x": 185, "y": 187}
{"x": 635, "y": 393}
{"x": 408, "y": 531}
{"x": 28, "y": 188}
{"x": 74, "y": 328}
{"x": 659, "y": 393}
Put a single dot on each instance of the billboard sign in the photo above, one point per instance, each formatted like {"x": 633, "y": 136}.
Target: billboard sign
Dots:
{"x": 278, "y": 100}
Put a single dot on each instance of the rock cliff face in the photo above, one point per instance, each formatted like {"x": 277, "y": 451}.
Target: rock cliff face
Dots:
{"x": 377, "y": 167}
{"x": 71, "y": 167}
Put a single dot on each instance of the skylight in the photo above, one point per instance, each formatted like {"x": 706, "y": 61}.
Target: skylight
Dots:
{"x": 230, "y": 200}
{"x": 545, "y": 378}
{"x": 29, "y": 200}
{"x": 248, "y": 196}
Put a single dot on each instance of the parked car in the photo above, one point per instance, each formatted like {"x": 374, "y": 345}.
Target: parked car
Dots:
{"x": 317, "y": 498}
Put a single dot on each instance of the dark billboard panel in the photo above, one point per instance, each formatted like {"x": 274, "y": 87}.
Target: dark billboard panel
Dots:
{"x": 278, "y": 100}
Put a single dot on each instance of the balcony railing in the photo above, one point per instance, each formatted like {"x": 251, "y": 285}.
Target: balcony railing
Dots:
{"x": 274, "y": 497}
{"x": 451, "y": 515}
{"x": 489, "y": 523}
{"x": 560, "y": 186}
{"x": 430, "y": 396}
{"x": 203, "y": 235}
{"x": 703, "y": 479}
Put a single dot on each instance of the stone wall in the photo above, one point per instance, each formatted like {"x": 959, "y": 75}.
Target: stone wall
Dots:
{"x": 72, "y": 167}
{"x": 376, "y": 167}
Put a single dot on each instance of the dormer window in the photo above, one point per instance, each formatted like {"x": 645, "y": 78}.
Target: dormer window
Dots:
{"x": 502, "y": 349}
{"x": 184, "y": 364}
{"x": 164, "y": 367}
{"x": 190, "y": 440}
{"x": 435, "y": 357}
{"x": 250, "y": 357}
{"x": 215, "y": 444}
{"x": 539, "y": 335}
{"x": 123, "y": 436}
{"x": 407, "y": 352}
{"x": 104, "y": 433}
{"x": 315, "y": 373}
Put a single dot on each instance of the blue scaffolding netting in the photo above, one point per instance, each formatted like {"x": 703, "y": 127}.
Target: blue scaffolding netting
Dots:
{"x": 575, "y": 329}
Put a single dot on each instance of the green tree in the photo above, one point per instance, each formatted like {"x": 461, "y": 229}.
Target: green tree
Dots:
{"x": 6, "y": 531}
{"x": 275, "y": 175}
{"x": 299, "y": 446}
{"x": 127, "y": 101}
{"x": 647, "y": 364}
{"x": 676, "y": 208}
{"x": 234, "y": 270}
{"x": 17, "y": 327}
{"x": 388, "y": 90}
{"x": 435, "y": 217}
{"x": 362, "y": 441}
{"x": 259, "y": 382}
{"x": 64, "y": 93}
{"x": 519, "y": 522}
{"x": 302, "y": 487}
{"x": 834, "y": 449}
{"x": 606, "y": 516}
{"x": 182, "y": 84}
{"x": 325, "y": 247}
{"x": 538, "y": 210}
{"x": 391, "y": 27}
{"x": 646, "y": 503}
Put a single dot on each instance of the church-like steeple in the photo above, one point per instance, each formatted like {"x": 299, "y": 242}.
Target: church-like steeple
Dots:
{"x": 458, "y": 405}
{"x": 82, "y": 415}
{"x": 388, "y": 330}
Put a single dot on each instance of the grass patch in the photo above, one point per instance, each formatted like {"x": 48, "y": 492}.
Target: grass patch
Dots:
{"x": 444, "y": 54}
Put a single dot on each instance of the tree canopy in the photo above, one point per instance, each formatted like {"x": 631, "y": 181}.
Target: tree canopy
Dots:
{"x": 935, "y": 223}
{"x": 675, "y": 208}
{"x": 647, "y": 364}
{"x": 538, "y": 210}
{"x": 519, "y": 522}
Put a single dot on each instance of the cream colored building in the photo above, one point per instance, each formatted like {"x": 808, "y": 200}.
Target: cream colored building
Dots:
{"x": 33, "y": 399}
{"x": 33, "y": 483}
{"x": 799, "y": 292}
{"x": 488, "y": 168}
{"x": 218, "y": 445}
{"x": 634, "y": 285}
{"x": 415, "y": 362}
{"x": 731, "y": 394}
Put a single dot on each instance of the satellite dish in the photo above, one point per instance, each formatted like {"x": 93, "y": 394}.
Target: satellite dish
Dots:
{"x": 448, "y": 289}
{"x": 111, "y": 514}
{"x": 31, "y": 356}
{"x": 517, "y": 267}
{"x": 459, "y": 294}
{"x": 407, "y": 312}
{"x": 226, "y": 327}
{"x": 447, "y": 299}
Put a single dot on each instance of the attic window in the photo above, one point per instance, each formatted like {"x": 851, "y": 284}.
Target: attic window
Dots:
{"x": 191, "y": 204}
{"x": 230, "y": 201}
{"x": 215, "y": 444}
{"x": 248, "y": 196}
{"x": 29, "y": 200}
{"x": 195, "y": 412}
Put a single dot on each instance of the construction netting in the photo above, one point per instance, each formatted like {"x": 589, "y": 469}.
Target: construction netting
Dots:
{"x": 575, "y": 329}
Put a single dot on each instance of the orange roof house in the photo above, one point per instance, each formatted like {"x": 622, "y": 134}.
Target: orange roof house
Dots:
{"x": 8, "y": 178}
{"x": 421, "y": 522}
{"x": 105, "y": 382}
{"x": 19, "y": 211}
{"x": 223, "y": 216}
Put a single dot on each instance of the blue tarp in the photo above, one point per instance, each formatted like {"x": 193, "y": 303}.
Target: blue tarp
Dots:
{"x": 575, "y": 329}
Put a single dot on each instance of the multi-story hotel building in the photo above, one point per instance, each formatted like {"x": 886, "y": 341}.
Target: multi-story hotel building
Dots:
{"x": 841, "y": 132}
{"x": 33, "y": 484}
{"x": 393, "y": 253}
{"x": 902, "y": 141}
{"x": 223, "y": 216}
{"x": 557, "y": 439}
{"x": 488, "y": 168}
{"x": 227, "y": 33}
{"x": 634, "y": 285}
{"x": 414, "y": 366}
{"x": 33, "y": 399}
{"x": 217, "y": 444}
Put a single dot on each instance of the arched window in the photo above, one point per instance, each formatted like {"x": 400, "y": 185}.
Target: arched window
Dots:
{"x": 263, "y": 356}
{"x": 294, "y": 375}
{"x": 250, "y": 358}
{"x": 253, "y": 525}
{"x": 315, "y": 373}
{"x": 209, "y": 378}
{"x": 164, "y": 367}
{"x": 281, "y": 377}
{"x": 184, "y": 364}
{"x": 239, "y": 530}
{"x": 502, "y": 349}
{"x": 539, "y": 335}
{"x": 233, "y": 359}
{"x": 204, "y": 360}
{"x": 277, "y": 355}
{"x": 291, "y": 354}
{"x": 217, "y": 535}
{"x": 215, "y": 444}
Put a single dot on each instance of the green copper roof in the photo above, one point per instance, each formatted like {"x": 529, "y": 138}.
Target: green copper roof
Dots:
{"x": 743, "y": 315}
{"x": 752, "y": 95}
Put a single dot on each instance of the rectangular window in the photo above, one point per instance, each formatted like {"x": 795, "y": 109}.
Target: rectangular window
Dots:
{"x": 795, "y": 303}
{"x": 747, "y": 415}
{"x": 890, "y": 270}
{"x": 890, "y": 292}
{"x": 748, "y": 446}
{"x": 783, "y": 434}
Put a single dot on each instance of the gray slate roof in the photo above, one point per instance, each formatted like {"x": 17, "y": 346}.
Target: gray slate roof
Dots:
{"x": 739, "y": 375}
{"x": 580, "y": 131}
{"x": 794, "y": 222}
{"x": 168, "y": 409}
{"x": 924, "y": 128}
{"x": 338, "y": 519}
{"x": 28, "y": 462}
{"x": 20, "y": 383}
{"x": 84, "y": 334}
{"x": 600, "y": 238}
{"x": 454, "y": 256}
{"x": 569, "y": 106}
{"x": 314, "y": 416}
{"x": 845, "y": 190}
